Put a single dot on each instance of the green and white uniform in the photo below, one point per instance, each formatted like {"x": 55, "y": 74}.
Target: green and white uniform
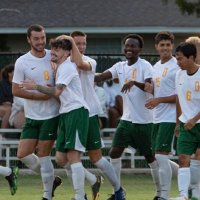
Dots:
{"x": 188, "y": 91}
{"x": 136, "y": 117}
{"x": 39, "y": 113}
{"x": 87, "y": 82}
{"x": 164, "y": 114}
{"x": 73, "y": 125}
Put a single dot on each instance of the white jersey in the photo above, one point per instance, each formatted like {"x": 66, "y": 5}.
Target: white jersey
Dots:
{"x": 134, "y": 109}
{"x": 164, "y": 85}
{"x": 29, "y": 67}
{"x": 72, "y": 96}
{"x": 87, "y": 83}
{"x": 188, "y": 91}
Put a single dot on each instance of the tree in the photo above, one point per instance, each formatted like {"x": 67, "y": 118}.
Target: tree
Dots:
{"x": 189, "y": 7}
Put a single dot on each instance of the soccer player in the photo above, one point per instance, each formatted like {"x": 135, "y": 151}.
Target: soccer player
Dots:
{"x": 188, "y": 100}
{"x": 87, "y": 67}
{"x": 164, "y": 109}
{"x": 195, "y": 163}
{"x": 134, "y": 128}
{"x": 41, "y": 111}
{"x": 11, "y": 175}
{"x": 74, "y": 115}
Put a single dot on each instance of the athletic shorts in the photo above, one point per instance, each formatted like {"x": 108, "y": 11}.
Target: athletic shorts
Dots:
{"x": 94, "y": 137}
{"x": 40, "y": 129}
{"x": 188, "y": 141}
{"x": 162, "y": 136}
{"x": 73, "y": 130}
{"x": 135, "y": 135}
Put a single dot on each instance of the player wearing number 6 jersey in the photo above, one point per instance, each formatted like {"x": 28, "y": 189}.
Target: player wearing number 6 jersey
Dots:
{"x": 188, "y": 101}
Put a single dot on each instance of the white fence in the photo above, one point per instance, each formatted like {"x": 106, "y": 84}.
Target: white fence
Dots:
{"x": 7, "y": 144}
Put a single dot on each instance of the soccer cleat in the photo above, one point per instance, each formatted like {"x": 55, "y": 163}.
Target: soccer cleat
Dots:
{"x": 179, "y": 198}
{"x": 44, "y": 198}
{"x": 96, "y": 187}
{"x": 57, "y": 182}
{"x": 156, "y": 198}
{"x": 12, "y": 179}
{"x": 112, "y": 197}
{"x": 120, "y": 194}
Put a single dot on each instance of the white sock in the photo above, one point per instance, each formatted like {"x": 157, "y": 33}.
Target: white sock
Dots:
{"x": 184, "y": 181}
{"x": 165, "y": 174}
{"x": 47, "y": 174}
{"x": 5, "y": 171}
{"x": 155, "y": 176}
{"x": 90, "y": 177}
{"x": 32, "y": 162}
{"x": 174, "y": 167}
{"x": 195, "y": 178}
{"x": 78, "y": 178}
{"x": 109, "y": 172}
{"x": 117, "y": 166}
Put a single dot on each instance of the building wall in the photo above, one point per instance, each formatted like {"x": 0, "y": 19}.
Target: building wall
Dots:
{"x": 97, "y": 44}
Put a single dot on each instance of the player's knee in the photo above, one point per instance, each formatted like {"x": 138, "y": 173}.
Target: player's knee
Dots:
{"x": 115, "y": 153}
{"x": 61, "y": 161}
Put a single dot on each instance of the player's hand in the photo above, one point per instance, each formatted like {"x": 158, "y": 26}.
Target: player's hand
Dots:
{"x": 151, "y": 103}
{"x": 127, "y": 86}
{"x": 189, "y": 124}
{"x": 28, "y": 85}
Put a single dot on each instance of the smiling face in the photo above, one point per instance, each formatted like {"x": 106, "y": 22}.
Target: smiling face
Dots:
{"x": 80, "y": 43}
{"x": 132, "y": 48}
{"x": 37, "y": 41}
{"x": 58, "y": 55}
{"x": 165, "y": 48}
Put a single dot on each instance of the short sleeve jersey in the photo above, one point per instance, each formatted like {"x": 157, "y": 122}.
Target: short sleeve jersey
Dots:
{"x": 87, "y": 82}
{"x": 29, "y": 67}
{"x": 72, "y": 96}
{"x": 134, "y": 109}
{"x": 188, "y": 91}
{"x": 164, "y": 85}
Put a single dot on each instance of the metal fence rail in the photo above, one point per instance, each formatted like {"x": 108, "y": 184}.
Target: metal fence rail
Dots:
{"x": 8, "y": 149}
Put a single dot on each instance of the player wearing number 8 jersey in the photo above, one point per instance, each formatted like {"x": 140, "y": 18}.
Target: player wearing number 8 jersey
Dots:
{"x": 41, "y": 110}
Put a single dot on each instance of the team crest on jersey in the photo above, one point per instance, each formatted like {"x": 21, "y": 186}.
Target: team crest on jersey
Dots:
{"x": 197, "y": 86}
{"x": 165, "y": 72}
{"x": 134, "y": 73}
{"x": 46, "y": 75}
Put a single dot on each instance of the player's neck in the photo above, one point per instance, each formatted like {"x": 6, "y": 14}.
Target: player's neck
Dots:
{"x": 38, "y": 54}
{"x": 132, "y": 61}
{"x": 192, "y": 70}
{"x": 165, "y": 59}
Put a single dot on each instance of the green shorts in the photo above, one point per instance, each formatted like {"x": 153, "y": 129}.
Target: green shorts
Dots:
{"x": 188, "y": 141}
{"x": 73, "y": 130}
{"x": 94, "y": 137}
{"x": 136, "y": 135}
{"x": 161, "y": 136}
{"x": 40, "y": 129}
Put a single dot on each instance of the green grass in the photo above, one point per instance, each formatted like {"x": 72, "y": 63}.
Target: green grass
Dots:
{"x": 138, "y": 187}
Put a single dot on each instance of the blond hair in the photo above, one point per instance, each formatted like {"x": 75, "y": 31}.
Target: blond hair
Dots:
{"x": 194, "y": 40}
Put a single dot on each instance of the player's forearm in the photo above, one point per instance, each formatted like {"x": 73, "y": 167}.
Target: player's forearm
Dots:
{"x": 103, "y": 76}
{"x": 46, "y": 90}
{"x": 197, "y": 117}
{"x": 139, "y": 85}
{"x": 178, "y": 110}
{"x": 29, "y": 95}
{"x": 168, "y": 99}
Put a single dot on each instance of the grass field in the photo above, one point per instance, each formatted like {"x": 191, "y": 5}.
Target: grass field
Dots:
{"x": 138, "y": 187}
